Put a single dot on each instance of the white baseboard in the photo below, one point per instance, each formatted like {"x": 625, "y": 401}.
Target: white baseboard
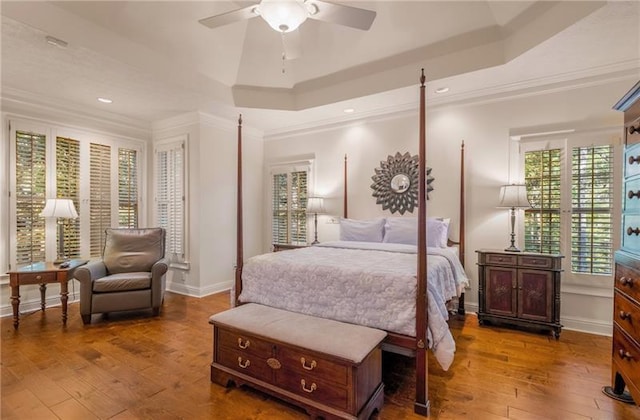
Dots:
{"x": 591, "y": 326}
{"x": 199, "y": 292}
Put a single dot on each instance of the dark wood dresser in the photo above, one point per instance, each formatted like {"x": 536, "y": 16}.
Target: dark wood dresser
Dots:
{"x": 625, "y": 364}
{"x": 520, "y": 288}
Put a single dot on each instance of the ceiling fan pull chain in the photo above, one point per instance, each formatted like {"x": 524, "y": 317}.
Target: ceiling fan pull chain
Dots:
{"x": 284, "y": 54}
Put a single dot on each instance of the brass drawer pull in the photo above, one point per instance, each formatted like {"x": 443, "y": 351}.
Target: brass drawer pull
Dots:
{"x": 38, "y": 277}
{"x": 634, "y": 159}
{"x": 631, "y": 231}
{"x": 632, "y": 194}
{"x": 244, "y": 365}
{"x": 624, "y": 315}
{"x": 243, "y": 345}
{"x": 625, "y": 354}
{"x": 312, "y": 388}
{"x": 311, "y": 366}
{"x": 625, "y": 281}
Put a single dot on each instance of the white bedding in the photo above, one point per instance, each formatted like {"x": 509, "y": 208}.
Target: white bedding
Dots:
{"x": 372, "y": 284}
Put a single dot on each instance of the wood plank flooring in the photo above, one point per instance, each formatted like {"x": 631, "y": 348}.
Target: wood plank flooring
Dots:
{"x": 135, "y": 366}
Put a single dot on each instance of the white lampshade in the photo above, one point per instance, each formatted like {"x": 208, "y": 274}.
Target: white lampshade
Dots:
{"x": 59, "y": 207}
{"x": 283, "y": 15}
{"x": 514, "y": 196}
{"x": 315, "y": 205}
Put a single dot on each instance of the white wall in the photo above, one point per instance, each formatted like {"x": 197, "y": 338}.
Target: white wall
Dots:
{"x": 486, "y": 129}
{"x": 211, "y": 198}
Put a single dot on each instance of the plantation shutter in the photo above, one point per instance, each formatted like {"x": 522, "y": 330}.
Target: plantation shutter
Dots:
{"x": 592, "y": 204}
{"x": 289, "y": 203}
{"x": 100, "y": 195}
{"x": 127, "y": 188}
{"x": 170, "y": 196}
{"x": 30, "y": 196}
{"x": 68, "y": 186}
{"x": 543, "y": 179}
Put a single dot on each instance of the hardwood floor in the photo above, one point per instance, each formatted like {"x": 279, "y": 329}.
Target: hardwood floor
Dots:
{"x": 136, "y": 366}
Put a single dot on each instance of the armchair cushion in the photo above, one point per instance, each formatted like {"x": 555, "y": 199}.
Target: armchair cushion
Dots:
{"x": 132, "y": 250}
{"x": 122, "y": 282}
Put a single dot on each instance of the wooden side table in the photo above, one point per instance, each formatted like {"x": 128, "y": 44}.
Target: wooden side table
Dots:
{"x": 41, "y": 273}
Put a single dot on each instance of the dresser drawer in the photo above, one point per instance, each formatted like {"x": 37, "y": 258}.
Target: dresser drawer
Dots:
{"x": 631, "y": 199}
{"x": 501, "y": 259}
{"x": 309, "y": 386}
{"x": 632, "y": 132}
{"x": 254, "y": 366}
{"x": 631, "y": 232}
{"x": 535, "y": 261}
{"x": 241, "y": 341}
{"x": 626, "y": 314}
{"x": 626, "y": 355}
{"x": 627, "y": 280}
{"x": 632, "y": 161}
{"x": 306, "y": 363}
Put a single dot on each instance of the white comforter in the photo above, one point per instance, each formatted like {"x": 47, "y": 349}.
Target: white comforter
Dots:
{"x": 360, "y": 283}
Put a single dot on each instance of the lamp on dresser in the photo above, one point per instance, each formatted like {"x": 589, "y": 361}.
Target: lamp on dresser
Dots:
{"x": 513, "y": 197}
{"x": 60, "y": 208}
{"x": 315, "y": 206}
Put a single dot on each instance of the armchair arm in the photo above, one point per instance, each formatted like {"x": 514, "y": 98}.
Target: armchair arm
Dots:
{"x": 158, "y": 271}
{"x": 86, "y": 274}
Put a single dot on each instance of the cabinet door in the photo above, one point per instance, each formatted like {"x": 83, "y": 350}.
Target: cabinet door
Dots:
{"x": 500, "y": 291}
{"x": 535, "y": 295}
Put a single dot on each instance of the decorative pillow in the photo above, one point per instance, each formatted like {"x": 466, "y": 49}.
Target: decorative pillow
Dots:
{"x": 437, "y": 232}
{"x": 361, "y": 230}
{"x": 401, "y": 230}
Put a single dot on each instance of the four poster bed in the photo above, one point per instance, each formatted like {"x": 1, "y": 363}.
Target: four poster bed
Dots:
{"x": 367, "y": 283}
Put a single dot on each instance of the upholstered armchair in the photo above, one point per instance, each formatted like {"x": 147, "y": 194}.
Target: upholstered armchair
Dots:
{"x": 130, "y": 276}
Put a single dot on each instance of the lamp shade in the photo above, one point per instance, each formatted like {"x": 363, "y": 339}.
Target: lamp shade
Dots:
{"x": 283, "y": 15}
{"x": 514, "y": 196}
{"x": 59, "y": 207}
{"x": 315, "y": 205}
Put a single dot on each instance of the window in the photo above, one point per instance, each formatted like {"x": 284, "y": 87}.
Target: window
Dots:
{"x": 571, "y": 189}
{"x": 289, "y": 202}
{"x": 170, "y": 195}
{"x": 54, "y": 162}
{"x": 127, "y": 188}
{"x": 30, "y": 196}
{"x": 100, "y": 195}
{"x": 68, "y": 186}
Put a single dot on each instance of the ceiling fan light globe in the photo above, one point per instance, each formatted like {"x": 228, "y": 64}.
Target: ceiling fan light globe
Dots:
{"x": 283, "y": 15}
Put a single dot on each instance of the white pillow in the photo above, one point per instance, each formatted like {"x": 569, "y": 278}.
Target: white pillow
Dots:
{"x": 401, "y": 230}
{"x": 361, "y": 230}
{"x": 437, "y": 232}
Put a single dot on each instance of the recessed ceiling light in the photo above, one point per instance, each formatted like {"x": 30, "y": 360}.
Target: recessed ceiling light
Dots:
{"x": 442, "y": 90}
{"x": 56, "y": 42}
{"x": 105, "y": 100}
{"x": 349, "y": 110}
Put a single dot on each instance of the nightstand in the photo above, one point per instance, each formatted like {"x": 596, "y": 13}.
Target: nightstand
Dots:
{"x": 520, "y": 288}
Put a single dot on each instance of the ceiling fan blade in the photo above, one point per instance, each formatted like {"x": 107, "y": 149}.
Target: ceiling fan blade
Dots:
{"x": 292, "y": 44}
{"x": 229, "y": 17}
{"x": 353, "y": 17}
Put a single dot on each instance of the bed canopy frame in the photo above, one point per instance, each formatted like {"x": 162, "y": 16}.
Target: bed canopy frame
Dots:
{"x": 416, "y": 345}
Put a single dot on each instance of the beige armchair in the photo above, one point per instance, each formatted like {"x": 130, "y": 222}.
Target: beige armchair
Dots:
{"x": 131, "y": 275}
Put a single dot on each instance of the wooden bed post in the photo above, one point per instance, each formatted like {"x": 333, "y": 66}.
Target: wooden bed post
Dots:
{"x": 239, "y": 234}
{"x": 421, "y": 405}
{"x": 345, "y": 187}
{"x": 461, "y": 310}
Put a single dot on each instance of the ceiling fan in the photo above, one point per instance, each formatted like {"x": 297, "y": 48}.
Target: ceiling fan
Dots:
{"x": 285, "y": 16}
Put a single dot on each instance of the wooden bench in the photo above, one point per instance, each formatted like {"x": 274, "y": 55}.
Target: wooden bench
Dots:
{"x": 331, "y": 369}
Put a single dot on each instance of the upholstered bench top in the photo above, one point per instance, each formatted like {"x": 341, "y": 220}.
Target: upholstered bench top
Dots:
{"x": 348, "y": 341}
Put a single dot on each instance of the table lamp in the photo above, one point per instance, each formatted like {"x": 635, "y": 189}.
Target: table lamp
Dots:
{"x": 60, "y": 208}
{"x": 315, "y": 205}
{"x": 514, "y": 197}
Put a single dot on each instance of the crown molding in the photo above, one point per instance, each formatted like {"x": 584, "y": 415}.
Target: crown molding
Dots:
{"x": 23, "y": 103}
{"x": 199, "y": 117}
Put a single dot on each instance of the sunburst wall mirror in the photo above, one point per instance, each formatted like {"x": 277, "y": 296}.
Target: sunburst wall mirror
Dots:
{"x": 395, "y": 183}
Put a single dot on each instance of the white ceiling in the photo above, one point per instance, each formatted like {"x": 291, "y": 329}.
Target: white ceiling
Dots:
{"x": 156, "y": 61}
